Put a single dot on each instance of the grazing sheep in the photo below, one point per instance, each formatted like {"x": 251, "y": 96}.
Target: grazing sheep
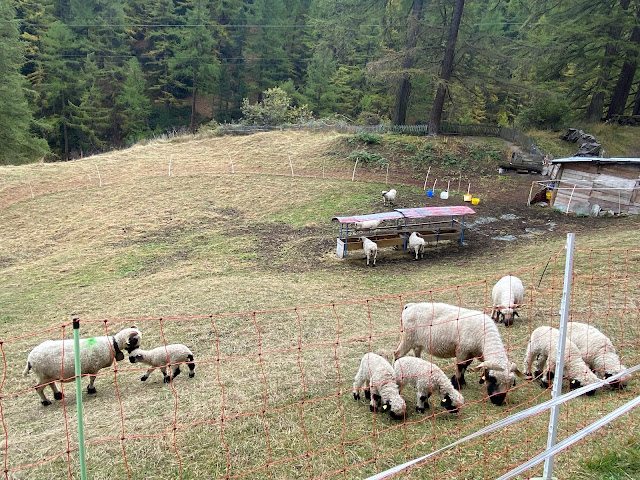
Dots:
{"x": 163, "y": 357}
{"x": 543, "y": 349}
{"x": 507, "y": 294}
{"x": 376, "y": 376}
{"x": 389, "y": 196}
{"x": 426, "y": 377}
{"x": 598, "y": 352}
{"x": 368, "y": 224}
{"x": 448, "y": 331}
{"x": 416, "y": 243}
{"x": 48, "y": 363}
{"x": 370, "y": 249}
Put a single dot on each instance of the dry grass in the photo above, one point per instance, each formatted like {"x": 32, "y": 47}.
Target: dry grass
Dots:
{"x": 179, "y": 255}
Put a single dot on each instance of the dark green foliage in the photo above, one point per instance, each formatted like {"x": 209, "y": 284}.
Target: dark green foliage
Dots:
{"x": 545, "y": 113}
{"x": 369, "y": 159}
{"x": 480, "y": 153}
{"x": 365, "y": 138}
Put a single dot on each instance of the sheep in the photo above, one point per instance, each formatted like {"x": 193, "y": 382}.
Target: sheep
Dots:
{"x": 368, "y": 224}
{"x": 165, "y": 356}
{"x": 389, "y": 196}
{"x": 53, "y": 360}
{"x": 507, "y": 294}
{"x": 448, "y": 331}
{"x": 426, "y": 377}
{"x": 377, "y": 377}
{"x": 598, "y": 352}
{"x": 543, "y": 348}
{"x": 416, "y": 243}
{"x": 370, "y": 249}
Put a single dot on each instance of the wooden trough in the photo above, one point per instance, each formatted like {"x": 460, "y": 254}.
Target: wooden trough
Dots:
{"x": 434, "y": 224}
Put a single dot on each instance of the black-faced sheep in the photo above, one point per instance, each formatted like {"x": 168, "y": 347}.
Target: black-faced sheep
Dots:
{"x": 47, "y": 362}
{"x": 598, "y": 352}
{"x": 162, "y": 357}
{"x": 416, "y": 243}
{"x": 389, "y": 196}
{"x": 376, "y": 377}
{"x": 370, "y": 250}
{"x": 543, "y": 350}
{"x": 507, "y": 295}
{"x": 449, "y": 331}
{"x": 427, "y": 378}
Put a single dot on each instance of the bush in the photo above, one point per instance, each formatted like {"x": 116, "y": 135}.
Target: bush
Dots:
{"x": 275, "y": 109}
{"x": 545, "y": 113}
{"x": 365, "y": 138}
{"x": 369, "y": 159}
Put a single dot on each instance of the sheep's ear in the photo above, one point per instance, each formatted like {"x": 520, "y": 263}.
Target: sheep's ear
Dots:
{"x": 119, "y": 355}
{"x": 514, "y": 368}
{"x": 477, "y": 367}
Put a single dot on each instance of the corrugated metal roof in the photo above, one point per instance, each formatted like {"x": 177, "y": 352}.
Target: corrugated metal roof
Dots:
{"x": 596, "y": 160}
{"x": 417, "y": 212}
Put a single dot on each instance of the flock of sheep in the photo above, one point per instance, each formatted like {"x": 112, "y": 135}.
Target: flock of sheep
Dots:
{"x": 449, "y": 331}
{"x": 445, "y": 331}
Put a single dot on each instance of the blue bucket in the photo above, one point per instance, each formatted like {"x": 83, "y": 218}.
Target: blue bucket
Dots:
{"x": 429, "y": 193}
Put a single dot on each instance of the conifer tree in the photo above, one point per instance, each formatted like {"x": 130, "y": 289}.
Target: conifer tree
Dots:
{"x": 134, "y": 107}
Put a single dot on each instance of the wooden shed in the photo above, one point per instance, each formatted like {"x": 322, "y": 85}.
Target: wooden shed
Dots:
{"x": 587, "y": 185}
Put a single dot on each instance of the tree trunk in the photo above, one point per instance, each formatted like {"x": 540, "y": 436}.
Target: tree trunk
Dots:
{"x": 65, "y": 135}
{"x": 193, "y": 108}
{"x": 447, "y": 66}
{"x": 625, "y": 80}
{"x": 636, "y": 104}
{"x": 399, "y": 116}
{"x": 596, "y": 106}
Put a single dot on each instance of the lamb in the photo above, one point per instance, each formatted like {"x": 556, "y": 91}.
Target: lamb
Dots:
{"x": 426, "y": 377}
{"x": 370, "y": 249}
{"x": 53, "y": 360}
{"x": 598, "y": 352}
{"x": 448, "y": 331}
{"x": 368, "y": 224}
{"x": 416, "y": 243}
{"x": 377, "y": 377}
{"x": 162, "y": 357}
{"x": 389, "y": 196}
{"x": 543, "y": 348}
{"x": 507, "y": 294}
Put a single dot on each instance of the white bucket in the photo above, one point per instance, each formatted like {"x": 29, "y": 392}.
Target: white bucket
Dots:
{"x": 444, "y": 195}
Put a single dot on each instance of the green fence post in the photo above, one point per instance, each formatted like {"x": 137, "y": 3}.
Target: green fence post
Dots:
{"x": 76, "y": 354}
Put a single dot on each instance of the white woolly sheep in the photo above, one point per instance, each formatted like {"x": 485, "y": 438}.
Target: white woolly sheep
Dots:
{"x": 426, "y": 377}
{"x": 507, "y": 294}
{"x": 370, "y": 249}
{"x": 448, "y": 331}
{"x": 162, "y": 357}
{"x": 368, "y": 224}
{"x": 416, "y": 243}
{"x": 389, "y": 196}
{"x": 598, "y": 352}
{"x": 48, "y": 363}
{"x": 376, "y": 376}
{"x": 543, "y": 349}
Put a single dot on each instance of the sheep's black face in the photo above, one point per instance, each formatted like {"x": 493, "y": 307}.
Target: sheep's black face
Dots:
{"x": 616, "y": 384}
{"x": 496, "y": 394}
{"x": 447, "y": 404}
{"x": 132, "y": 344}
{"x": 132, "y": 358}
{"x": 545, "y": 382}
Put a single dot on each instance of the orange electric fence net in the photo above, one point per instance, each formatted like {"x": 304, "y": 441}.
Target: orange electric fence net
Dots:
{"x": 272, "y": 392}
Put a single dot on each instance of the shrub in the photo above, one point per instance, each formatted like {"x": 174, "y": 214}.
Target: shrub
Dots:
{"x": 369, "y": 159}
{"x": 365, "y": 138}
{"x": 545, "y": 113}
{"x": 275, "y": 109}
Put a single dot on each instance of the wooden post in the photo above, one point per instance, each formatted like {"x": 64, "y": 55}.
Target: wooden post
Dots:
{"x": 232, "y": 167}
{"x": 354, "y": 170}
{"x": 426, "y": 178}
{"x": 290, "y": 165}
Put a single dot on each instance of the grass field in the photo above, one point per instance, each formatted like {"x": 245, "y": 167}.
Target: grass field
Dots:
{"x": 241, "y": 267}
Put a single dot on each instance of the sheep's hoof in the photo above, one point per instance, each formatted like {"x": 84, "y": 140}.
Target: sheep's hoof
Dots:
{"x": 57, "y": 395}
{"x": 192, "y": 374}
{"x": 91, "y": 390}
{"x": 367, "y": 394}
{"x": 143, "y": 378}
{"x": 167, "y": 379}
{"x": 356, "y": 396}
{"x": 371, "y": 409}
{"x": 46, "y": 402}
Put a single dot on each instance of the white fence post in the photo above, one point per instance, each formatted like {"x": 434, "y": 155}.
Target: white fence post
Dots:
{"x": 562, "y": 340}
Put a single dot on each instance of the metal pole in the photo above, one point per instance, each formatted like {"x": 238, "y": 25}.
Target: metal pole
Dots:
{"x": 78, "y": 371}
{"x": 557, "y": 381}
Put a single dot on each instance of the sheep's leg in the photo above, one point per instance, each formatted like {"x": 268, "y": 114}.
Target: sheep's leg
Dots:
{"x": 423, "y": 399}
{"x": 528, "y": 356}
{"x": 43, "y": 398}
{"x": 167, "y": 378}
{"x": 57, "y": 394}
{"x": 458, "y": 380}
{"x": 90, "y": 388}
{"x": 175, "y": 371}
{"x": 146, "y": 375}
{"x": 358, "y": 383}
{"x": 192, "y": 369}
{"x": 375, "y": 255}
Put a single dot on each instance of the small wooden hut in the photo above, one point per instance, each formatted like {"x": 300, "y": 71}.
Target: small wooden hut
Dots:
{"x": 587, "y": 185}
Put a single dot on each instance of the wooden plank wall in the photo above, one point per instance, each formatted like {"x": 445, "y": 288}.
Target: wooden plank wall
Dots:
{"x": 614, "y": 187}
